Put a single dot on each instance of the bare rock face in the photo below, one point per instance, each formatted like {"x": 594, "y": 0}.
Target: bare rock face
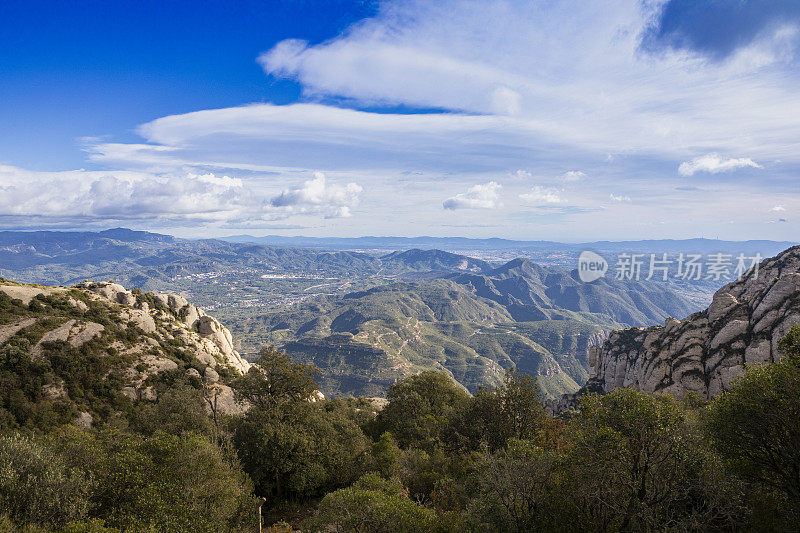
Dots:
{"x": 75, "y": 332}
{"x": 9, "y": 330}
{"x": 147, "y": 337}
{"x": 26, "y": 293}
{"x": 140, "y": 317}
{"x": 84, "y": 420}
{"x": 221, "y": 399}
{"x": 210, "y": 328}
{"x": 212, "y": 341}
{"x": 707, "y": 351}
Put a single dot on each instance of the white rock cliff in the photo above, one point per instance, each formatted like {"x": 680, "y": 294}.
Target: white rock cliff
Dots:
{"x": 705, "y": 352}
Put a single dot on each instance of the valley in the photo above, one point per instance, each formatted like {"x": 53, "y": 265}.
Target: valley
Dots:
{"x": 370, "y": 319}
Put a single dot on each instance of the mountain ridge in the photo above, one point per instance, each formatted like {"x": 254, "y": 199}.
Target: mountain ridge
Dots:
{"x": 86, "y": 352}
{"x": 473, "y": 326}
{"x": 705, "y": 353}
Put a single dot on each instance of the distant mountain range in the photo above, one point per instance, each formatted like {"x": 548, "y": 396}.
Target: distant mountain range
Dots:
{"x": 123, "y": 250}
{"x": 367, "y": 319}
{"x": 474, "y": 325}
{"x": 766, "y": 247}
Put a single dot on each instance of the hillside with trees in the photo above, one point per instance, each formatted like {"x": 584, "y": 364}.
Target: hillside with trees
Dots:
{"x": 430, "y": 457}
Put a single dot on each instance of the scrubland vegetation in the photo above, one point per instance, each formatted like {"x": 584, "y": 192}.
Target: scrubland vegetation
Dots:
{"x": 433, "y": 459}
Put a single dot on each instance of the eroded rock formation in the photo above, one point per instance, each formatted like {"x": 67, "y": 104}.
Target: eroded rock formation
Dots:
{"x": 705, "y": 352}
{"x": 211, "y": 339}
{"x": 148, "y": 334}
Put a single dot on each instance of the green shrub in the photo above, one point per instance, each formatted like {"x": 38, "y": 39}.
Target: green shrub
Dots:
{"x": 37, "y": 486}
{"x": 372, "y": 504}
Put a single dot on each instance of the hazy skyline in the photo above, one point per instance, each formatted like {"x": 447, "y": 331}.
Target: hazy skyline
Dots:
{"x": 561, "y": 120}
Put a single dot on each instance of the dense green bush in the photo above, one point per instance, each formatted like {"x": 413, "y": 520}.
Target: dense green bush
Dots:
{"x": 637, "y": 463}
{"x": 512, "y": 410}
{"x": 161, "y": 483}
{"x": 37, "y": 486}
{"x": 512, "y": 490}
{"x": 434, "y": 459}
{"x": 756, "y": 428}
{"x": 300, "y": 451}
{"x": 420, "y": 408}
{"x": 372, "y": 504}
{"x": 180, "y": 409}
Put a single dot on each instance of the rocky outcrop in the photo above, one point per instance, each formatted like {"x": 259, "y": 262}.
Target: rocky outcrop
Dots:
{"x": 149, "y": 336}
{"x": 75, "y": 332}
{"x": 704, "y": 353}
{"x": 211, "y": 339}
{"x": 25, "y": 293}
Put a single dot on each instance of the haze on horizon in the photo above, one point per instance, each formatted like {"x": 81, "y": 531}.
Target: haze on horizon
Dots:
{"x": 561, "y": 121}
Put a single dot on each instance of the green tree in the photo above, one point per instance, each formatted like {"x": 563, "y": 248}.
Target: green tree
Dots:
{"x": 637, "y": 464}
{"x": 420, "y": 408}
{"x": 512, "y": 410}
{"x": 275, "y": 380}
{"x": 300, "y": 450}
{"x": 385, "y": 456}
{"x": 756, "y": 425}
{"x": 161, "y": 483}
{"x": 37, "y": 486}
{"x": 179, "y": 409}
{"x": 511, "y": 490}
{"x": 372, "y": 504}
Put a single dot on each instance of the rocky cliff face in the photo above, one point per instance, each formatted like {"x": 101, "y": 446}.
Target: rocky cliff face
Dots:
{"x": 138, "y": 339}
{"x": 705, "y": 352}
{"x": 211, "y": 340}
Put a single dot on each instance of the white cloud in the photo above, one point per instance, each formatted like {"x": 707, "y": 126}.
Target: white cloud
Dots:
{"x": 179, "y": 198}
{"x": 301, "y": 136}
{"x": 483, "y": 196}
{"x": 573, "y": 175}
{"x": 524, "y": 85}
{"x": 318, "y": 197}
{"x": 619, "y": 199}
{"x": 542, "y": 195}
{"x": 398, "y": 73}
{"x": 571, "y": 70}
{"x": 778, "y": 208}
{"x": 121, "y": 195}
{"x": 714, "y": 164}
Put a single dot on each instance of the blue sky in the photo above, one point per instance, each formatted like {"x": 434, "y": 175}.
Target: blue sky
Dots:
{"x": 531, "y": 120}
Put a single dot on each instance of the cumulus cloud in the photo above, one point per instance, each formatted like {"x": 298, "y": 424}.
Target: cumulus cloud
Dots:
{"x": 619, "y": 199}
{"x": 543, "y": 195}
{"x": 482, "y": 196}
{"x": 573, "y": 175}
{"x": 184, "y": 198}
{"x": 714, "y": 164}
{"x": 778, "y": 208}
{"x": 121, "y": 195}
{"x": 316, "y": 196}
{"x": 523, "y": 174}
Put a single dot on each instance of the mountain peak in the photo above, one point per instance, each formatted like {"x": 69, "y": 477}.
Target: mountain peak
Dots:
{"x": 519, "y": 267}
{"x": 129, "y": 235}
{"x": 434, "y": 260}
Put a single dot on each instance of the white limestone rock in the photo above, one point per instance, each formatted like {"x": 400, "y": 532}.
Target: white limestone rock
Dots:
{"x": 707, "y": 351}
